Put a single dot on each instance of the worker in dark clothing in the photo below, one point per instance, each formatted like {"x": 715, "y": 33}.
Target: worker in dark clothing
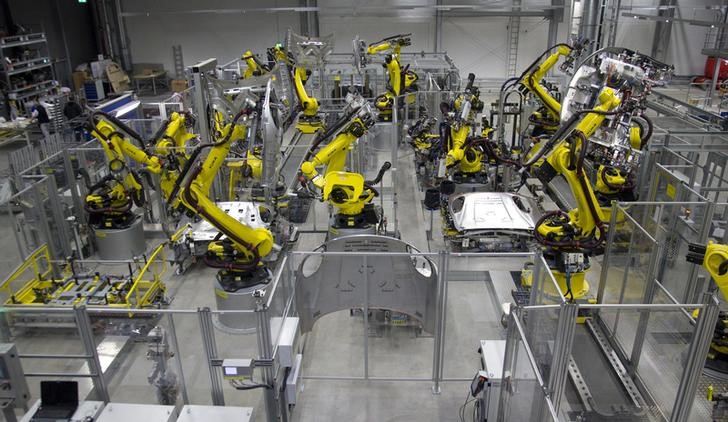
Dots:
{"x": 39, "y": 112}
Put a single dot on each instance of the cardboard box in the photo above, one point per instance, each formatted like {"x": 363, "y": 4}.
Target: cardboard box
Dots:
{"x": 79, "y": 78}
{"x": 119, "y": 79}
{"x": 178, "y": 85}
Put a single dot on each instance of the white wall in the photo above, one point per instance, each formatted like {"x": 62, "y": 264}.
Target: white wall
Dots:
{"x": 476, "y": 44}
{"x": 372, "y": 29}
{"x": 223, "y": 36}
{"x": 480, "y": 45}
{"x": 335, "y": 17}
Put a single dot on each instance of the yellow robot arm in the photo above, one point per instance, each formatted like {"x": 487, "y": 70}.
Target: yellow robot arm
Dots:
{"x": 457, "y": 152}
{"x": 382, "y": 47}
{"x": 253, "y": 66}
{"x": 394, "y": 45}
{"x": 587, "y": 214}
{"x": 333, "y": 155}
{"x": 532, "y": 81}
{"x": 252, "y": 243}
{"x": 117, "y": 147}
{"x": 714, "y": 258}
{"x": 175, "y": 134}
{"x": 309, "y": 104}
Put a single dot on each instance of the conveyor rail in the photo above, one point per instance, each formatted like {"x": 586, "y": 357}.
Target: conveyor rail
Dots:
{"x": 601, "y": 381}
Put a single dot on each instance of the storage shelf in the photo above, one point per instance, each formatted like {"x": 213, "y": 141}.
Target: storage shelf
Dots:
{"x": 16, "y": 73}
{"x": 39, "y": 88}
{"x": 19, "y": 66}
{"x": 21, "y": 40}
{"x": 27, "y": 87}
{"x": 28, "y": 69}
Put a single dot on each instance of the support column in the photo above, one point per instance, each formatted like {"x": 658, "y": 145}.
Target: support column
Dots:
{"x": 557, "y": 17}
{"x": 125, "y": 53}
{"x": 209, "y": 346}
{"x": 563, "y": 344}
{"x": 663, "y": 30}
{"x": 309, "y": 18}
{"x": 265, "y": 351}
{"x": 437, "y": 47}
{"x": 697, "y": 353}
{"x": 85, "y": 331}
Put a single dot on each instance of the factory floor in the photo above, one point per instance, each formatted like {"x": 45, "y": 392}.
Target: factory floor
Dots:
{"x": 335, "y": 347}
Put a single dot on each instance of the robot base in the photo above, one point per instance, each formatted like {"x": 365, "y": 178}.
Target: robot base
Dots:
{"x": 234, "y": 291}
{"x": 121, "y": 243}
{"x": 363, "y": 223}
{"x": 478, "y": 178}
{"x": 335, "y": 233}
{"x": 309, "y": 125}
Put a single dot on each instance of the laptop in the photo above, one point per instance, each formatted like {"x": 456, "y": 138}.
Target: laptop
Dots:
{"x": 58, "y": 401}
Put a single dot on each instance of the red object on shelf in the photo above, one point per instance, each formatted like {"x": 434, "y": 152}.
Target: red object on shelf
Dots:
{"x": 710, "y": 66}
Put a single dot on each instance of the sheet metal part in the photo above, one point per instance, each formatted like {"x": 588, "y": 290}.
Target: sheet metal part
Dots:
{"x": 489, "y": 211}
{"x": 339, "y": 282}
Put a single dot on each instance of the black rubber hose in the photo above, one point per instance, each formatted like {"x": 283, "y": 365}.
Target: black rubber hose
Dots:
{"x": 650, "y": 129}
{"x": 509, "y": 81}
{"x": 343, "y": 120}
{"x": 188, "y": 164}
{"x": 124, "y": 208}
{"x": 563, "y": 129}
{"x": 158, "y": 134}
{"x": 385, "y": 167}
{"x": 138, "y": 197}
{"x": 120, "y": 125}
{"x": 471, "y": 81}
{"x": 196, "y": 153}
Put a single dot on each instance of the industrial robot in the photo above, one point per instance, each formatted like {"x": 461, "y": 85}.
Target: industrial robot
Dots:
{"x": 603, "y": 95}
{"x": 254, "y": 66}
{"x": 399, "y": 80}
{"x": 464, "y": 159}
{"x": 308, "y": 53}
{"x": 109, "y": 202}
{"x": 546, "y": 118}
{"x": 185, "y": 188}
{"x": 425, "y": 141}
{"x": 714, "y": 258}
{"x": 347, "y": 191}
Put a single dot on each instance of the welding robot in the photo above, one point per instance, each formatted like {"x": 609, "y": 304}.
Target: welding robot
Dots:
{"x": 109, "y": 202}
{"x": 714, "y": 258}
{"x": 307, "y": 53}
{"x": 254, "y": 66}
{"x": 399, "y": 80}
{"x": 546, "y": 118}
{"x": 600, "y": 96}
{"x": 185, "y": 189}
{"x": 464, "y": 155}
{"x": 346, "y": 191}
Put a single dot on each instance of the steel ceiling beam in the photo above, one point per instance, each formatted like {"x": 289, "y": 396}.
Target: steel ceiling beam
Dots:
{"x": 697, "y": 22}
{"x": 450, "y": 10}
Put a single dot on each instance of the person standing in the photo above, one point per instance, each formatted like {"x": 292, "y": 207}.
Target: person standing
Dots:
{"x": 39, "y": 112}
